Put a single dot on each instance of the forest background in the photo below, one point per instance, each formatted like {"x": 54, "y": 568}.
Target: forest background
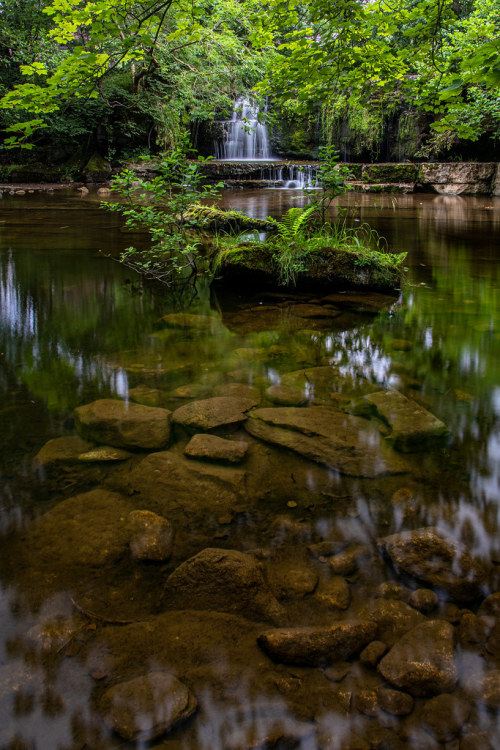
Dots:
{"x": 120, "y": 79}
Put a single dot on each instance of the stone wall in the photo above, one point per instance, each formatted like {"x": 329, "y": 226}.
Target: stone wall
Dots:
{"x": 457, "y": 178}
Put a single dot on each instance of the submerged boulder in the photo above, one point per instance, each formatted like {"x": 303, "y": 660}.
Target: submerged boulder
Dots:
{"x": 412, "y": 427}
{"x": 349, "y": 445}
{"x": 146, "y": 707}
{"x": 430, "y": 556}
{"x": 422, "y": 662}
{"x": 223, "y": 581}
{"x": 151, "y": 536}
{"x": 213, "y": 448}
{"x": 123, "y": 425}
{"x": 315, "y": 646}
{"x": 182, "y": 488}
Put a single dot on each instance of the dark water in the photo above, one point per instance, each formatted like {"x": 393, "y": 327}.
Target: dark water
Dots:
{"x": 79, "y": 615}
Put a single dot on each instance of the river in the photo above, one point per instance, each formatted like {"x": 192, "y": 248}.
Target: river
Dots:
{"x": 304, "y": 520}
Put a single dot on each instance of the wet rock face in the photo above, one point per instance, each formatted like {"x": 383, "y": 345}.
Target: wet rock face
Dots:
{"x": 312, "y": 646}
{"x": 210, "y": 413}
{"x": 123, "y": 425}
{"x": 147, "y": 707}
{"x": 349, "y": 445}
{"x": 453, "y": 179}
{"x": 223, "y": 581}
{"x": 442, "y": 562}
{"x": 422, "y": 662}
{"x": 151, "y": 536}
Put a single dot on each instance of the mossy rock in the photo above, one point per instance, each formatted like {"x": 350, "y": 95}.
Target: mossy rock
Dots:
{"x": 330, "y": 267}
{"x": 379, "y": 173}
{"x": 212, "y": 218}
{"x": 355, "y": 170}
{"x": 97, "y": 169}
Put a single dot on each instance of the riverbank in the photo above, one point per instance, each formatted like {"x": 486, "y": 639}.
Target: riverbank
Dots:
{"x": 444, "y": 178}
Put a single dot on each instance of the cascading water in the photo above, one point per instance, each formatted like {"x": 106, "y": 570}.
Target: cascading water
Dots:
{"x": 291, "y": 176}
{"x": 246, "y": 138}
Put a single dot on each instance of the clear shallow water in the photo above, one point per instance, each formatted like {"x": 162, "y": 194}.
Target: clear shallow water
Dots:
{"x": 74, "y": 327}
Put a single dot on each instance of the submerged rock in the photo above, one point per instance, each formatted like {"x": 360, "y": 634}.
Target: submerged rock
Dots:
{"x": 213, "y": 448}
{"x": 61, "y": 451}
{"x": 146, "y": 396}
{"x": 147, "y": 706}
{"x": 284, "y": 396}
{"x": 223, "y": 581}
{"x": 323, "y": 381}
{"x": 104, "y": 453}
{"x": 124, "y": 425}
{"x": 349, "y": 445}
{"x": 180, "y": 487}
{"x": 485, "y": 688}
{"x": 314, "y": 646}
{"x": 393, "y": 618}
{"x": 335, "y": 593}
{"x": 430, "y": 556}
{"x": 422, "y": 662}
{"x": 85, "y": 531}
{"x": 210, "y": 413}
{"x": 151, "y": 536}
{"x": 193, "y": 323}
{"x": 412, "y": 427}
{"x": 444, "y": 716}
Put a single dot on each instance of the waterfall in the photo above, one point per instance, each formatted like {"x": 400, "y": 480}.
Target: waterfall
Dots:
{"x": 246, "y": 139}
{"x": 290, "y": 176}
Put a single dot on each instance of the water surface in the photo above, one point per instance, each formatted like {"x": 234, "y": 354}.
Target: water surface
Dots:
{"x": 79, "y": 615}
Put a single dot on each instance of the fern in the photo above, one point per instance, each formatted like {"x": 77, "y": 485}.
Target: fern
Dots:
{"x": 292, "y": 222}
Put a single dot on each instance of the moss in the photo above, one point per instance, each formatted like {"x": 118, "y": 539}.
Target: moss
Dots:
{"x": 213, "y": 219}
{"x": 379, "y": 173}
{"x": 97, "y": 169}
{"x": 329, "y": 266}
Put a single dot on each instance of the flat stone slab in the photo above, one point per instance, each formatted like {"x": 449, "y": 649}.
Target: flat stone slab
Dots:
{"x": 422, "y": 662}
{"x": 213, "y": 448}
{"x": 123, "y": 424}
{"x": 321, "y": 382}
{"x": 147, "y": 706}
{"x": 439, "y": 561}
{"x": 413, "y": 428}
{"x": 211, "y": 413}
{"x": 349, "y": 445}
{"x": 315, "y": 646}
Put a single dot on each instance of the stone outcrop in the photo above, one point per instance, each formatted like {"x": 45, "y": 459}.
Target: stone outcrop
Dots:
{"x": 430, "y": 556}
{"x": 422, "y": 662}
{"x": 315, "y": 646}
{"x": 346, "y": 444}
{"x": 222, "y": 581}
{"x": 123, "y": 425}
{"x": 468, "y": 178}
{"x": 146, "y": 707}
